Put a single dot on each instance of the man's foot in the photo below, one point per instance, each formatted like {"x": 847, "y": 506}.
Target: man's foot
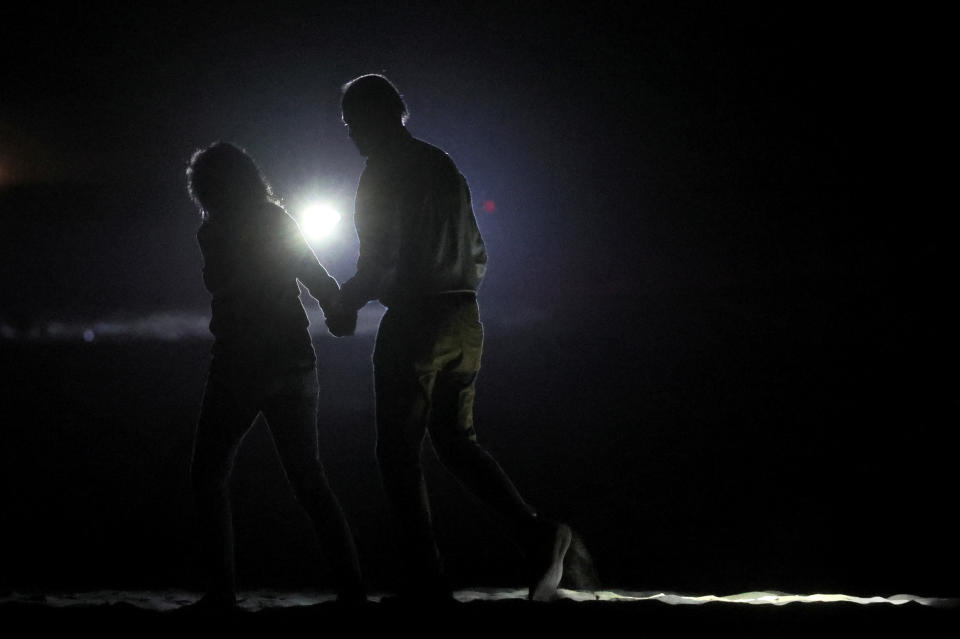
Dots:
{"x": 352, "y": 597}
{"x": 579, "y": 572}
{"x": 545, "y": 558}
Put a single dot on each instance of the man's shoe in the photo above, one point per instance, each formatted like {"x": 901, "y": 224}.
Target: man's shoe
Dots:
{"x": 546, "y": 561}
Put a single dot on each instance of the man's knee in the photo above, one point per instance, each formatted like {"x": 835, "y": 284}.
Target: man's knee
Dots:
{"x": 453, "y": 448}
{"x": 400, "y": 433}
{"x": 395, "y": 455}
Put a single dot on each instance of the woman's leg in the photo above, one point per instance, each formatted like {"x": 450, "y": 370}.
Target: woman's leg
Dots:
{"x": 292, "y": 418}
{"x": 221, "y": 427}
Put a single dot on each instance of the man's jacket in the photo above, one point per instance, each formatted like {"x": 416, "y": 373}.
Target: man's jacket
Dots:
{"x": 417, "y": 231}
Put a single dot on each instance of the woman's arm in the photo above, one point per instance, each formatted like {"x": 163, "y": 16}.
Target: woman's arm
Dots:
{"x": 321, "y": 284}
{"x": 297, "y": 256}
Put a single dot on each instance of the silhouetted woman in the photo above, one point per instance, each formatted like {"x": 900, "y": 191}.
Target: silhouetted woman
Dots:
{"x": 262, "y": 361}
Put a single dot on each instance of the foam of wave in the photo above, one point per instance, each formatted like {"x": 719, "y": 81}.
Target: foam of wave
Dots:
{"x": 254, "y": 600}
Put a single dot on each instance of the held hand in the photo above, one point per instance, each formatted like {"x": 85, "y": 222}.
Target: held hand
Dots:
{"x": 341, "y": 322}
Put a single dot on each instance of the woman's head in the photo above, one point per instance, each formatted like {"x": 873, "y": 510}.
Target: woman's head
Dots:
{"x": 225, "y": 182}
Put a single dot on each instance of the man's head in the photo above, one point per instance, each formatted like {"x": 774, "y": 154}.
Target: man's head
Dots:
{"x": 373, "y": 111}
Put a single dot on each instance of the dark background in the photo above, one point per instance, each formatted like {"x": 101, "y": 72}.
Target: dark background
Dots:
{"x": 719, "y": 333}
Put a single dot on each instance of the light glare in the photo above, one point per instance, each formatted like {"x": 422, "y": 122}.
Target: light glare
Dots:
{"x": 319, "y": 220}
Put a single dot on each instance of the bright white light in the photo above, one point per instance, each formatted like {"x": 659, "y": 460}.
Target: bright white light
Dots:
{"x": 319, "y": 220}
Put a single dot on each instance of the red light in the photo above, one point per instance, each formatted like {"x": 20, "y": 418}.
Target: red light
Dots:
{"x": 489, "y": 206}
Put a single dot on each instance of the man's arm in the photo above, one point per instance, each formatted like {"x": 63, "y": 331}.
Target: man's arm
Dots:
{"x": 377, "y": 220}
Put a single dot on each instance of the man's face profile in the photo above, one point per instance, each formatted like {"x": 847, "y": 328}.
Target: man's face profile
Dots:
{"x": 357, "y": 131}
{"x": 366, "y": 129}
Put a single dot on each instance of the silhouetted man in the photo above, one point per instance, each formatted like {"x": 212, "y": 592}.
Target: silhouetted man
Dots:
{"x": 421, "y": 256}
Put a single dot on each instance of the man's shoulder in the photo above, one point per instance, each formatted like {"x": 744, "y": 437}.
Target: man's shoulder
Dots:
{"x": 409, "y": 163}
{"x": 433, "y": 161}
{"x": 427, "y": 152}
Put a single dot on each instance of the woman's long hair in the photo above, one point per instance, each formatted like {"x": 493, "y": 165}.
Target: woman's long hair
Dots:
{"x": 225, "y": 182}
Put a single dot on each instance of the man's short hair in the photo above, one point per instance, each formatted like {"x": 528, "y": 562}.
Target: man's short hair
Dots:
{"x": 374, "y": 93}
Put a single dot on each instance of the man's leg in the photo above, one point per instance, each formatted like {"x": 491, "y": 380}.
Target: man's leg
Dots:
{"x": 292, "y": 418}
{"x": 451, "y": 420}
{"x": 454, "y": 438}
{"x": 402, "y": 410}
{"x": 221, "y": 427}
{"x": 455, "y": 441}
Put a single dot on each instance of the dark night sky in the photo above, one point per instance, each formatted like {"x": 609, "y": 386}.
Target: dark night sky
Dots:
{"x": 729, "y": 225}
{"x": 626, "y": 153}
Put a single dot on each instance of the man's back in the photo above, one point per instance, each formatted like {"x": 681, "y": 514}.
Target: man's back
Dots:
{"x": 416, "y": 224}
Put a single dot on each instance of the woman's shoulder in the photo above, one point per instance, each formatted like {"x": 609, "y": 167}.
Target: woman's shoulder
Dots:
{"x": 278, "y": 221}
{"x": 208, "y": 234}
{"x": 270, "y": 221}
